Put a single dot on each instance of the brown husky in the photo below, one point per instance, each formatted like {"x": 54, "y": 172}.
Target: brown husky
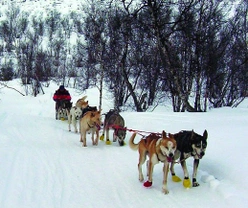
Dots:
{"x": 91, "y": 121}
{"x": 113, "y": 120}
{"x": 81, "y": 103}
{"x": 158, "y": 149}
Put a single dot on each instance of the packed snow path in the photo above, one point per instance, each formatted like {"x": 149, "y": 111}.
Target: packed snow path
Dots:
{"x": 45, "y": 165}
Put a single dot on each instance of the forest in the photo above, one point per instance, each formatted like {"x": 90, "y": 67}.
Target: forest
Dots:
{"x": 145, "y": 52}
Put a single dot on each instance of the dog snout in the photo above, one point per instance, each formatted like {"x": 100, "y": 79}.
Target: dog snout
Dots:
{"x": 171, "y": 154}
{"x": 202, "y": 154}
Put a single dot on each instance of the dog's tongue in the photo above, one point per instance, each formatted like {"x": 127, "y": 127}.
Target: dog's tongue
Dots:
{"x": 169, "y": 159}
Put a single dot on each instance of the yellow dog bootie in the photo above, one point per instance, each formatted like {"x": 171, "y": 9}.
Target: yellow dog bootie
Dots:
{"x": 176, "y": 178}
{"x": 186, "y": 183}
{"x": 102, "y": 137}
{"x": 108, "y": 142}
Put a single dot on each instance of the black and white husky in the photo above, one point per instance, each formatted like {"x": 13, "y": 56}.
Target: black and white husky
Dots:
{"x": 74, "y": 116}
{"x": 62, "y": 107}
{"x": 189, "y": 144}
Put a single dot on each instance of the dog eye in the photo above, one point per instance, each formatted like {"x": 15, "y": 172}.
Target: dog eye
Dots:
{"x": 204, "y": 145}
{"x": 198, "y": 145}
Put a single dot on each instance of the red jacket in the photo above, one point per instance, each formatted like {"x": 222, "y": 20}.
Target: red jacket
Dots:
{"x": 61, "y": 95}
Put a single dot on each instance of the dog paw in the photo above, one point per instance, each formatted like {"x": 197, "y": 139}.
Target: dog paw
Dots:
{"x": 186, "y": 183}
{"x": 195, "y": 184}
{"x": 176, "y": 178}
{"x": 141, "y": 178}
{"x": 165, "y": 191}
{"x": 147, "y": 184}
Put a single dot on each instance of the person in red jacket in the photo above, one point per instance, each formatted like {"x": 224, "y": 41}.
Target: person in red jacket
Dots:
{"x": 62, "y": 98}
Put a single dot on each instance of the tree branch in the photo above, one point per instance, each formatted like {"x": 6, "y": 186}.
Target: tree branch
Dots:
{"x": 11, "y": 88}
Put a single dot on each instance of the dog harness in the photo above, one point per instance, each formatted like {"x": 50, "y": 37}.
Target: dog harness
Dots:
{"x": 90, "y": 126}
{"x": 169, "y": 159}
{"x": 159, "y": 157}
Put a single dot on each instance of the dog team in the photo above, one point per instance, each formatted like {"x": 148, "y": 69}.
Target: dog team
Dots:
{"x": 165, "y": 147}
{"x": 88, "y": 118}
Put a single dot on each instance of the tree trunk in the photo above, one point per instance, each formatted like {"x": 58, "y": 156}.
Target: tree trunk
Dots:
{"x": 129, "y": 85}
{"x": 101, "y": 86}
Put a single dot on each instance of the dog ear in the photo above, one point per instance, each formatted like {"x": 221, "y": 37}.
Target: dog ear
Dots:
{"x": 192, "y": 134}
{"x": 84, "y": 97}
{"x": 205, "y": 134}
{"x": 163, "y": 133}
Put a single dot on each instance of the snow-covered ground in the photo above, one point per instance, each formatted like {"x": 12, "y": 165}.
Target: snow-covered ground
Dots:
{"x": 44, "y": 165}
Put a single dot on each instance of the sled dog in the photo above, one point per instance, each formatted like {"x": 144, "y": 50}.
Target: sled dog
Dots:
{"x": 189, "y": 144}
{"x": 89, "y": 108}
{"x": 81, "y": 103}
{"x": 158, "y": 148}
{"x": 63, "y": 107}
{"x": 113, "y": 120}
{"x": 74, "y": 116}
{"x": 90, "y": 121}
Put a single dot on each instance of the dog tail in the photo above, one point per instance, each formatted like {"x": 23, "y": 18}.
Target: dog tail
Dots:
{"x": 132, "y": 145}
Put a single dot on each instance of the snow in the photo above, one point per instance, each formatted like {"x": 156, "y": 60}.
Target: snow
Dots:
{"x": 45, "y": 165}
{"x": 63, "y": 6}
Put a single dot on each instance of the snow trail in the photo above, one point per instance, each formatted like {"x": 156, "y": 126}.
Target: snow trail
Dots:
{"x": 44, "y": 165}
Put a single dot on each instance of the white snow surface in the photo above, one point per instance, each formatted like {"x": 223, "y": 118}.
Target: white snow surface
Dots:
{"x": 44, "y": 165}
